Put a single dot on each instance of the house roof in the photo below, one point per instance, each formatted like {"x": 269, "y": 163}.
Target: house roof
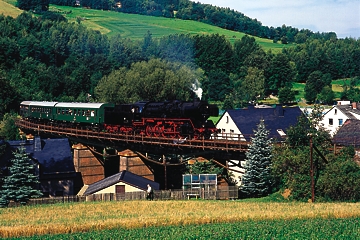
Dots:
{"x": 125, "y": 177}
{"x": 53, "y": 155}
{"x": 275, "y": 118}
{"x": 348, "y": 110}
{"x": 348, "y": 134}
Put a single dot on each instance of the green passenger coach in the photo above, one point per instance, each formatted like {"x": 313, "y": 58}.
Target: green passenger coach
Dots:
{"x": 37, "y": 110}
{"x": 89, "y": 113}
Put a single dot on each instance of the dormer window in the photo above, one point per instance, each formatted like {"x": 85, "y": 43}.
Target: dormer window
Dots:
{"x": 281, "y": 132}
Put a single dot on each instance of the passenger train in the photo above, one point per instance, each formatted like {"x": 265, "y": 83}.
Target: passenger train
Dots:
{"x": 169, "y": 119}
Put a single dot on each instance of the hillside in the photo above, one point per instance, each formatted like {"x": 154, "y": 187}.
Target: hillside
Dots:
{"x": 8, "y": 9}
{"x": 136, "y": 26}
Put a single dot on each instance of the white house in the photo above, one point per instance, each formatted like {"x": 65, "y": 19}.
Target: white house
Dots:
{"x": 240, "y": 124}
{"x": 336, "y": 116}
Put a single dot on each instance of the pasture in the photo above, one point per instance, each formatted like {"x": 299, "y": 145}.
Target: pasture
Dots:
{"x": 136, "y": 26}
{"x": 8, "y": 9}
{"x": 188, "y": 217}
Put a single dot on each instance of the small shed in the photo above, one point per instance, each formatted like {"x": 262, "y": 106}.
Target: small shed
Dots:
{"x": 118, "y": 183}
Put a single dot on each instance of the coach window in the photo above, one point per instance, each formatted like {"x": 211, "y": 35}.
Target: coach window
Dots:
{"x": 92, "y": 113}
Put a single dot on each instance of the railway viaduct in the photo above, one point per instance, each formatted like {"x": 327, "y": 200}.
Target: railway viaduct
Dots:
{"x": 101, "y": 154}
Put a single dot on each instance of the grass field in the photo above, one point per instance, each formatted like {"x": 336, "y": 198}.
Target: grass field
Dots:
{"x": 137, "y": 215}
{"x": 135, "y": 26}
{"x": 8, "y": 9}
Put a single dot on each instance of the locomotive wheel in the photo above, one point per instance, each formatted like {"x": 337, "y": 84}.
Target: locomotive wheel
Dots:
{"x": 155, "y": 131}
{"x": 172, "y": 131}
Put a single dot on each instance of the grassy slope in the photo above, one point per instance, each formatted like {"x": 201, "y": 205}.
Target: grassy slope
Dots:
{"x": 136, "y": 26}
{"x": 8, "y": 9}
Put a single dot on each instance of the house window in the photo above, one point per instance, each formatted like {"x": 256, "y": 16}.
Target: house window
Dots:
{"x": 227, "y": 119}
{"x": 331, "y": 122}
{"x": 340, "y": 122}
{"x": 281, "y": 132}
{"x": 335, "y": 111}
{"x": 119, "y": 189}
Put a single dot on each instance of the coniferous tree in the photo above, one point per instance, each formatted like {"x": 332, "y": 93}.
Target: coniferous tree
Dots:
{"x": 256, "y": 182}
{"x": 20, "y": 184}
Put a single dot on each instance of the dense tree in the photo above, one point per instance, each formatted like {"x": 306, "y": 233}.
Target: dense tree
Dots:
{"x": 243, "y": 48}
{"x": 8, "y": 129}
{"x": 216, "y": 85}
{"x": 326, "y": 96}
{"x": 290, "y": 165}
{"x": 177, "y": 48}
{"x": 340, "y": 180}
{"x": 35, "y": 5}
{"x": 286, "y": 95}
{"x": 21, "y": 183}
{"x": 213, "y": 52}
{"x": 154, "y": 80}
{"x": 204, "y": 167}
{"x": 253, "y": 85}
{"x": 315, "y": 84}
{"x": 256, "y": 181}
{"x": 280, "y": 73}
{"x": 8, "y": 96}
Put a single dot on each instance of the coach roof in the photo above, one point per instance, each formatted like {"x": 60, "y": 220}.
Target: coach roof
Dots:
{"x": 82, "y": 105}
{"x": 39, "y": 104}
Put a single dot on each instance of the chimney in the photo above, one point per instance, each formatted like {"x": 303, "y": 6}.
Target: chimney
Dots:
{"x": 279, "y": 111}
{"x": 37, "y": 144}
{"x": 354, "y": 105}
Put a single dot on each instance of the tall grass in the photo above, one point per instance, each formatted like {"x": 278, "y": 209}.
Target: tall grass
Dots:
{"x": 88, "y": 216}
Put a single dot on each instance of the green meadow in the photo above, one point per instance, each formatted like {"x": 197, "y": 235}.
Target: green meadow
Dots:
{"x": 136, "y": 26}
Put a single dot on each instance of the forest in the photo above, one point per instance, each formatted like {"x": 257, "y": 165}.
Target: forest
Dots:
{"x": 46, "y": 58}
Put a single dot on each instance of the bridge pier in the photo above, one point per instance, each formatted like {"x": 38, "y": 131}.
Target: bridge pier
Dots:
{"x": 94, "y": 166}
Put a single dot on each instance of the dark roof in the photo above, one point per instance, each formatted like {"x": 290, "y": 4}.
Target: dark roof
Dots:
{"x": 275, "y": 118}
{"x": 348, "y": 134}
{"x": 125, "y": 177}
{"x": 348, "y": 109}
{"x": 53, "y": 155}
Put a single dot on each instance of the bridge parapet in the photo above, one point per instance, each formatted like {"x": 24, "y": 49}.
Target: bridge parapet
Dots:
{"x": 231, "y": 143}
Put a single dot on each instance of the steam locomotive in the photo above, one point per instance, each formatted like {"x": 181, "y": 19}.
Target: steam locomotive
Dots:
{"x": 170, "y": 119}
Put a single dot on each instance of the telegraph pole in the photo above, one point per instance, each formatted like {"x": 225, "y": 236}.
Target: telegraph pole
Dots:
{"x": 312, "y": 170}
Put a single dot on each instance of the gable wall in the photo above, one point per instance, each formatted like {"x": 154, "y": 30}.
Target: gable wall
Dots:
{"x": 111, "y": 189}
{"x": 335, "y": 114}
{"x": 226, "y": 123}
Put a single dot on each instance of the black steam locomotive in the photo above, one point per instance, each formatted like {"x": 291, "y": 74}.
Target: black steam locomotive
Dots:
{"x": 170, "y": 119}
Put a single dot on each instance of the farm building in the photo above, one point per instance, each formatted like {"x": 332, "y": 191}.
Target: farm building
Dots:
{"x": 119, "y": 183}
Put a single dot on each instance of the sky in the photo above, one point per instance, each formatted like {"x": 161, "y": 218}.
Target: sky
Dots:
{"x": 339, "y": 16}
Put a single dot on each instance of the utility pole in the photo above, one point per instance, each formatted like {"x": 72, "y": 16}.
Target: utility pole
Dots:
{"x": 312, "y": 170}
